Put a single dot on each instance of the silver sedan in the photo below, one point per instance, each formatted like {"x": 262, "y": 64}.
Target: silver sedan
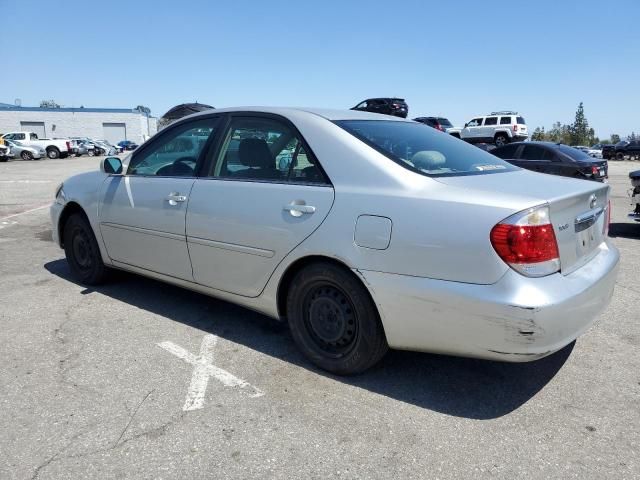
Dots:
{"x": 25, "y": 152}
{"x": 362, "y": 231}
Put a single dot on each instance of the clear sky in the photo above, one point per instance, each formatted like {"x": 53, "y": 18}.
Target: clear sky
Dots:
{"x": 452, "y": 58}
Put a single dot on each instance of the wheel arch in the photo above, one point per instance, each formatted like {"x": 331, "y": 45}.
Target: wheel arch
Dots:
{"x": 296, "y": 266}
{"x": 69, "y": 209}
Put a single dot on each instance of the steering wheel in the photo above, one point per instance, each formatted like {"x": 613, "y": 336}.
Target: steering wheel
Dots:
{"x": 179, "y": 168}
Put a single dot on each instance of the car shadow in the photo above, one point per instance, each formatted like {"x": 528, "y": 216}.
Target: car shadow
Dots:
{"x": 461, "y": 387}
{"x": 625, "y": 230}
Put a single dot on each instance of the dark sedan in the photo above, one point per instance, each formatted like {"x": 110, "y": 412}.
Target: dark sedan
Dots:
{"x": 553, "y": 158}
{"x": 127, "y": 145}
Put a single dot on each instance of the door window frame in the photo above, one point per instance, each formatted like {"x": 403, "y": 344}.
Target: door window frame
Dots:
{"x": 207, "y": 172}
{"x": 160, "y": 136}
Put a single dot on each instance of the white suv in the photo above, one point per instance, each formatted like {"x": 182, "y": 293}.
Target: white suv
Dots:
{"x": 498, "y": 127}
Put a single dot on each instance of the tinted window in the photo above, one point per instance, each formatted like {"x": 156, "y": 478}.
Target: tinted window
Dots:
{"x": 574, "y": 153}
{"x": 424, "y": 150}
{"x": 444, "y": 122}
{"x": 265, "y": 149}
{"x": 175, "y": 153}
{"x": 491, "y": 121}
{"x": 535, "y": 152}
{"x": 505, "y": 120}
{"x": 508, "y": 151}
{"x": 520, "y": 120}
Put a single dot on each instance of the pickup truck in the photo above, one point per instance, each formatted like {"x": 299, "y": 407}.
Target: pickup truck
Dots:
{"x": 54, "y": 148}
{"x": 627, "y": 148}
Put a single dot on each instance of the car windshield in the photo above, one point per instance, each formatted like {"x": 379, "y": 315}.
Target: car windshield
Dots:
{"x": 424, "y": 150}
{"x": 575, "y": 153}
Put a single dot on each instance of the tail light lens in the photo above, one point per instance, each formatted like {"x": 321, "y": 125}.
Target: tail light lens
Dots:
{"x": 515, "y": 128}
{"x": 527, "y": 243}
{"x": 594, "y": 170}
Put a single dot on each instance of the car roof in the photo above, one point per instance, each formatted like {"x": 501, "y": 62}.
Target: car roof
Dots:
{"x": 329, "y": 114}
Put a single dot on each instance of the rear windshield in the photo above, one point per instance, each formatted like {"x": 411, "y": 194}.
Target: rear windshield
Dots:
{"x": 444, "y": 122}
{"x": 424, "y": 150}
{"x": 575, "y": 153}
{"x": 520, "y": 121}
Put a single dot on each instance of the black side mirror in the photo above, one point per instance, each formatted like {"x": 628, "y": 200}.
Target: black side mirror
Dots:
{"x": 112, "y": 166}
{"x": 466, "y": 125}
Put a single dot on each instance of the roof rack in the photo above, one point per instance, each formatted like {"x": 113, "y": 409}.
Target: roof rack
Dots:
{"x": 504, "y": 112}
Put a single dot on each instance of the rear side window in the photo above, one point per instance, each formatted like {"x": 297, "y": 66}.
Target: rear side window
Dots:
{"x": 505, "y": 120}
{"x": 520, "y": 120}
{"x": 574, "y": 153}
{"x": 534, "y": 152}
{"x": 506, "y": 152}
{"x": 424, "y": 150}
{"x": 491, "y": 121}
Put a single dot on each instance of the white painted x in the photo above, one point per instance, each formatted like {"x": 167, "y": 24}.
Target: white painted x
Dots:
{"x": 203, "y": 369}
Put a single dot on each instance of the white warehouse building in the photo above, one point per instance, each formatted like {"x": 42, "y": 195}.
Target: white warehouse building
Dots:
{"x": 112, "y": 124}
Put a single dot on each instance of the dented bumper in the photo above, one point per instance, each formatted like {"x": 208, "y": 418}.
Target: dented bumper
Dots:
{"x": 517, "y": 319}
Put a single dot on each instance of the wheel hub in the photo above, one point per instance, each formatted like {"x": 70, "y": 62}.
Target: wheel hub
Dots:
{"x": 331, "y": 319}
{"x": 81, "y": 251}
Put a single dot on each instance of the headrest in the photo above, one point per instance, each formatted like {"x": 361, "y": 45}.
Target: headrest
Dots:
{"x": 254, "y": 152}
{"x": 428, "y": 160}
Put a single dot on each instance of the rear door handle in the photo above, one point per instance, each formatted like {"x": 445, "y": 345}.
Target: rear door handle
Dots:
{"x": 299, "y": 209}
{"x": 174, "y": 198}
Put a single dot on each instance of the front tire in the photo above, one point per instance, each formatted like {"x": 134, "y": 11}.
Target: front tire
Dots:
{"x": 334, "y": 321}
{"x": 91, "y": 153}
{"x": 82, "y": 251}
{"x": 501, "y": 139}
{"x": 26, "y": 155}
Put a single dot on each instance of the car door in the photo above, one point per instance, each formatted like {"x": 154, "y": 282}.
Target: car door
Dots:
{"x": 472, "y": 130}
{"x": 534, "y": 157}
{"x": 142, "y": 213}
{"x": 254, "y": 208}
{"x": 488, "y": 129}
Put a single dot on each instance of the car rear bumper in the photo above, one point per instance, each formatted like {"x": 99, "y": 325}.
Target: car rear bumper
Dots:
{"x": 519, "y": 138}
{"x": 517, "y": 319}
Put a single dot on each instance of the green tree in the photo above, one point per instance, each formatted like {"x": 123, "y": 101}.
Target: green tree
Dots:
{"x": 615, "y": 138}
{"x": 633, "y": 137}
{"x": 579, "y": 131}
{"x": 538, "y": 134}
{"x": 49, "y": 104}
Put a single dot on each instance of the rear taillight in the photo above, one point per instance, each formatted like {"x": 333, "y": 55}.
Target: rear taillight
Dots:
{"x": 439, "y": 127}
{"x": 526, "y": 242}
{"x": 515, "y": 128}
{"x": 594, "y": 170}
{"x": 68, "y": 145}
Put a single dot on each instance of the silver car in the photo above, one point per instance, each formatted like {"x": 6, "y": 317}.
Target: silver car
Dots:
{"x": 376, "y": 233}
{"x": 16, "y": 149}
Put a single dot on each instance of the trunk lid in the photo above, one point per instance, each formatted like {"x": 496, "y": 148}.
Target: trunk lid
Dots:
{"x": 577, "y": 208}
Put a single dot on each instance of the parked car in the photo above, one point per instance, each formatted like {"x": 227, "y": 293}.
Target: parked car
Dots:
{"x": 4, "y": 152}
{"x": 387, "y": 106}
{"x": 634, "y": 194}
{"x": 54, "y": 148}
{"x": 108, "y": 148}
{"x": 595, "y": 151}
{"x": 382, "y": 233}
{"x": 127, "y": 145}
{"x": 553, "y": 158}
{"x": 626, "y": 148}
{"x": 439, "y": 123}
{"x": 25, "y": 152}
{"x": 499, "y": 128}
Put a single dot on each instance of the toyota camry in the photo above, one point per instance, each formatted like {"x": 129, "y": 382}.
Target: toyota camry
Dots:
{"x": 362, "y": 231}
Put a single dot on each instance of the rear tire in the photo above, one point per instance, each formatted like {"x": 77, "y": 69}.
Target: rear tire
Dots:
{"x": 334, "y": 321}
{"x": 619, "y": 156}
{"x": 53, "y": 153}
{"x": 500, "y": 140}
{"x": 26, "y": 155}
{"x": 82, "y": 251}
{"x": 90, "y": 153}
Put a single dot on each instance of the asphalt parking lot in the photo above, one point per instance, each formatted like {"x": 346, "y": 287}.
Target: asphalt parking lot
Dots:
{"x": 138, "y": 379}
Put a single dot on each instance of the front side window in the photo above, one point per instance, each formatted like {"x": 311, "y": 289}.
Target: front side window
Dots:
{"x": 476, "y": 122}
{"x": 505, "y": 120}
{"x": 175, "y": 153}
{"x": 424, "y": 150}
{"x": 491, "y": 121}
{"x": 33, "y": 136}
{"x": 265, "y": 149}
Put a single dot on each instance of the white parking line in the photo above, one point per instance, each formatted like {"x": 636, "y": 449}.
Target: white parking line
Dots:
{"x": 203, "y": 369}
{"x": 25, "y": 212}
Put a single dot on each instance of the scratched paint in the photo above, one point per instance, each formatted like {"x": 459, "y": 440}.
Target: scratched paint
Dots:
{"x": 203, "y": 370}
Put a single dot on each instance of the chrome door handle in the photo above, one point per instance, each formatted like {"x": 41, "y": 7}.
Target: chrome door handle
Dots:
{"x": 299, "y": 209}
{"x": 174, "y": 198}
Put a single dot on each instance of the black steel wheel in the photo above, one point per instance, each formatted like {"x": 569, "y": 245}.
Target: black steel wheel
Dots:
{"x": 82, "y": 251}
{"x": 333, "y": 319}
